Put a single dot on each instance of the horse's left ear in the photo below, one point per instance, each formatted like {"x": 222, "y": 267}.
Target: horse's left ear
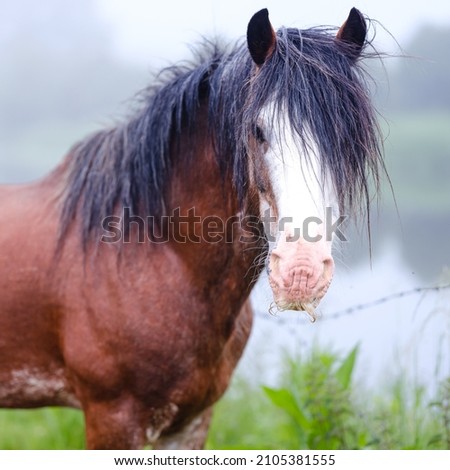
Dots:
{"x": 353, "y": 33}
{"x": 261, "y": 38}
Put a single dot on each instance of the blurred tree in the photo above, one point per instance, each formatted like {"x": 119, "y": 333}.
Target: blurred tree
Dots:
{"x": 57, "y": 61}
{"x": 422, "y": 82}
{"x": 413, "y": 95}
{"x": 59, "y": 78}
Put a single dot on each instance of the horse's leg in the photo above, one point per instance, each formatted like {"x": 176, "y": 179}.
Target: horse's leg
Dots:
{"x": 113, "y": 425}
{"x": 191, "y": 437}
{"x": 125, "y": 423}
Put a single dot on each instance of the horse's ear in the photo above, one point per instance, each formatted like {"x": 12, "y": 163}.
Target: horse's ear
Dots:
{"x": 353, "y": 33}
{"x": 261, "y": 38}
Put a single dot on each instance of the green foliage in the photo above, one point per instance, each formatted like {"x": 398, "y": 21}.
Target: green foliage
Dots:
{"x": 442, "y": 405}
{"x": 245, "y": 420}
{"x": 319, "y": 406}
{"x": 402, "y": 419}
{"x": 317, "y": 400}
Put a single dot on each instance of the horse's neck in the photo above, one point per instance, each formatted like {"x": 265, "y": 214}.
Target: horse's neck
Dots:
{"x": 215, "y": 243}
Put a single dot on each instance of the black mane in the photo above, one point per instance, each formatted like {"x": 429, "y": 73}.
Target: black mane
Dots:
{"x": 310, "y": 76}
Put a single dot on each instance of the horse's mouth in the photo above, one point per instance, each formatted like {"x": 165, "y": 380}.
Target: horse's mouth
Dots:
{"x": 308, "y": 307}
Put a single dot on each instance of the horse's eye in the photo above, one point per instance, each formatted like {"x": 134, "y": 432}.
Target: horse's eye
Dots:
{"x": 261, "y": 187}
{"x": 259, "y": 134}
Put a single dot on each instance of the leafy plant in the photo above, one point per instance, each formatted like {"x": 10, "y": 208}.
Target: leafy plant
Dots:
{"x": 318, "y": 401}
{"x": 317, "y": 405}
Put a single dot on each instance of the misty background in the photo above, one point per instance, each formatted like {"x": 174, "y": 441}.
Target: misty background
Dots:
{"x": 69, "y": 68}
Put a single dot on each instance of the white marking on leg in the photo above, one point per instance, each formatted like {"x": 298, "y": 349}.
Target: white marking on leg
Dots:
{"x": 161, "y": 419}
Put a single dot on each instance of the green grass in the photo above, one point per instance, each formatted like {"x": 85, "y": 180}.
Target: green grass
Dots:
{"x": 317, "y": 405}
{"x": 46, "y": 428}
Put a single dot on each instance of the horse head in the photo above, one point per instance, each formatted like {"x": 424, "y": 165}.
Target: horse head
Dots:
{"x": 311, "y": 137}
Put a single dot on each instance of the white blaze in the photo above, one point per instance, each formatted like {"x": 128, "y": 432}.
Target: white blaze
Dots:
{"x": 301, "y": 192}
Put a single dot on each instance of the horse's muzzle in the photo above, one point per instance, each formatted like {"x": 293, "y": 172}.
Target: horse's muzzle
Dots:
{"x": 300, "y": 273}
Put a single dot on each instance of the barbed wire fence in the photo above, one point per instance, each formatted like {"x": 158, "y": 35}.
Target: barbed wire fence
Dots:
{"x": 354, "y": 308}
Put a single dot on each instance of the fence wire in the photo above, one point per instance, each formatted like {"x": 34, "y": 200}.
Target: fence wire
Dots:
{"x": 354, "y": 308}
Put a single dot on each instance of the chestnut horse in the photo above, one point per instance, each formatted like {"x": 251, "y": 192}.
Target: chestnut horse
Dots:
{"x": 126, "y": 272}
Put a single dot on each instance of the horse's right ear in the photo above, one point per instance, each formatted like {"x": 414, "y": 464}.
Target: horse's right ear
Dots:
{"x": 261, "y": 38}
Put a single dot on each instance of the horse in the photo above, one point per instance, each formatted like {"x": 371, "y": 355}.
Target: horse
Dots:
{"x": 126, "y": 271}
